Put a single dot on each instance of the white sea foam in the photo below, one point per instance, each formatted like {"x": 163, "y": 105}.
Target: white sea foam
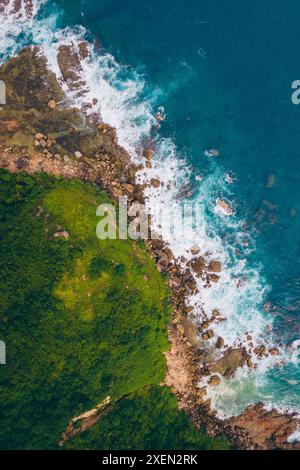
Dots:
{"x": 117, "y": 93}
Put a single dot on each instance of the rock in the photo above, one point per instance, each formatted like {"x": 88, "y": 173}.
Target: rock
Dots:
{"x": 223, "y": 207}
{"x": 69, "y": 61}
{"x": 128, "y": 187}
{"x": 267, "y": 429}
{"x": 39, "y": 136}
{"x": 205, "y": 336}
{"x": 148, "y": 165}
{"x": 260, "y": 350}
{"x": 175, "y": 281}
{"x": 155, "y": 182}
{"x": 195, "y": 250}
{"x": 78, "y": 154}
{"x": 214, "y": 380}
{"x": 220, "y": 342}
{"x": 148, "y": 154}
{"x": 29, "y": 82}
{"x": 213, "y": 277}
{"x": 52, "y": 104}
{"x": 163, "y": 258}
{"x": 201, "y": 393}
{"x": 210, "y": 333}
{"x": 230, "y": 361}
{"x": 274, "y": 351}
{"x": 198, "y": 265}
{"x": 214, "y": 266}
{"x": 212, "y": 153}
{"x": 249, "y": 363}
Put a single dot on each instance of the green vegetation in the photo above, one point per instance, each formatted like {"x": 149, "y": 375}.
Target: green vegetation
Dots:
{"x": 148, "y": 419}
{"x": 82, "y": 319}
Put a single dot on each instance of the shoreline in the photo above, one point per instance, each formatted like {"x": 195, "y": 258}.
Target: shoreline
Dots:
{"x": 112, "y": 169}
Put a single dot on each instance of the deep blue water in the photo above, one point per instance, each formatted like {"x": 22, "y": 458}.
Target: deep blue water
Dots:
{"x": 224, "y": 69}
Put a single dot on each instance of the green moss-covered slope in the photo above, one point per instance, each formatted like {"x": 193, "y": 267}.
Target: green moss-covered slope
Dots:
{"x": 82, "y": 319}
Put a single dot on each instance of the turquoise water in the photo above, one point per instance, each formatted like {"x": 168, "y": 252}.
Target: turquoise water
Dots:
{"x": 223, "y": 71}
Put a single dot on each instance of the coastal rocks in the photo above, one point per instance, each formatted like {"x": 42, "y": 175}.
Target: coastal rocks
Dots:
{"x": 260, "y": 351}
{"x": 232, "y": 359}
{"x": 21, "y": 8}
{"x": 207, "y": 335}
{"x": 267, "y": 429}
{"x": 198, "y": 265}
{"x": 214, "y": 381}
{"x": 195, "y": 250}
{"x": 223, "y": 207}
{"x": 148, "y": 154}
{"x": 155, "y": 183}
{"x": 69, "y": 61}
{"x": 219, "y": 342}
{"x": 214, "y": 266}
{"x": 26, "y": 72}
{"x": 212, "y": 153}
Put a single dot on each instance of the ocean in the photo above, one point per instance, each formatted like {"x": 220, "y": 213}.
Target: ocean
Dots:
{"x": 222, "y": 71}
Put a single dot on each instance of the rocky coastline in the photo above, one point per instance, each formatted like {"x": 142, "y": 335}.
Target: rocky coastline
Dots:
{"x": 41, "y": 132}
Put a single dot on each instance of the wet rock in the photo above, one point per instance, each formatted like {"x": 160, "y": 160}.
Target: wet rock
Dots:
{"x": 195, "y": 250}
{"x": 69, "y": 62}
{"x": 274, "y": 351}
{"x": 220, "y": 342}
{"x": 214, "y": 380}
{"x": 214, "y": 266}
{"x": 260, "y": 350}
{"x": 229, "y": 362}
{"x": 155, "y": 183}
{"x": 24, "y": 73}
{"x": 267, "y": 429}
{"x": 213, "y": 278}
{"x": 128, "y": 187}
{"x": 198, "y": 265}
{"x": 249, "y": 363}
{"x": 148, "y": 154}
{"x": 223, "y": 207}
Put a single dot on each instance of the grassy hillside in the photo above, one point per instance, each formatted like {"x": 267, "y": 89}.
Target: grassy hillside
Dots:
{"x": 82, "y": 319}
